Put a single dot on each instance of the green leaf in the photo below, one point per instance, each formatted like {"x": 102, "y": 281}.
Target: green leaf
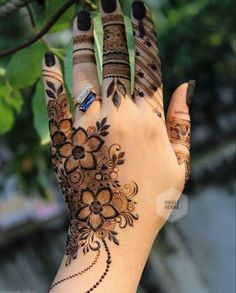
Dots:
{"x": 40, "y": 114}
{"x": 98, "y": 37}
{"x": 25, "y": 66}
{"x": 68, "y": 69}
{"x": 65, "y": 19}
{"x": 6, "y": 111}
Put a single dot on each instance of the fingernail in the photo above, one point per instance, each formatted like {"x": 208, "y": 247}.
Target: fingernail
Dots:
{"x": 83, "y": 20}
{"x": 108, "y": 6}
{"x": 190, "y": 91}
{"x": 49, "y": 59}
{"x": 139, "y": 10}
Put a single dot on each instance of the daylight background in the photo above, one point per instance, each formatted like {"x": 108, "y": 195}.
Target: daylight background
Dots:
{"x": 197, "y": 41}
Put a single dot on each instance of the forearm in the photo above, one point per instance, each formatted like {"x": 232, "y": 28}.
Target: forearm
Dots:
{"x": 111, "y": 268}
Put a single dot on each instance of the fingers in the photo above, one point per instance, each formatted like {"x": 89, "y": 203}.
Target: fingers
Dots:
{"x": 59, "y": 113}
{"x": 85, "y": 76}
{"x": 178, "y": 125}
{"x": 56, "y": 98}
{"x": 116, "y": 67}
{"x": 148, "y": 83}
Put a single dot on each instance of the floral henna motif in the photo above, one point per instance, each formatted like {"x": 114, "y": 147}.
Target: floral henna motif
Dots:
{"x": 179, "y": 130}
{"x": 87, "y": 170}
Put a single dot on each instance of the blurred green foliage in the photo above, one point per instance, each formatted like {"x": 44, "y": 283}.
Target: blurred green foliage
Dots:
{"x": 196, "y": 40}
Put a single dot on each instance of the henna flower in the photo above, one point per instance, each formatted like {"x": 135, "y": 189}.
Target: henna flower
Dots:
{"x": 96, "y": 208}
{"x": 61, "y": 131}
{"x": 80, "y": 151}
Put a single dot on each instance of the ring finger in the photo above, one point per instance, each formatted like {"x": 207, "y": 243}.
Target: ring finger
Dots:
{"x": 85, "y": 76}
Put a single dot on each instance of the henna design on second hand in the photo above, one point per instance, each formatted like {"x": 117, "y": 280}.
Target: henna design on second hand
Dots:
{"x": 87, "y": 170}
{"x": 179, "y": 130}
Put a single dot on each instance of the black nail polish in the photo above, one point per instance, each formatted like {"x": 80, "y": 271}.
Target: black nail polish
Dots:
{"x": 83, "y": 20}
{"x": 190, "y": 91}
{"x": 49, "y": 59}
{"x": 139, "y": 10}
{"x": 108, "y": 6}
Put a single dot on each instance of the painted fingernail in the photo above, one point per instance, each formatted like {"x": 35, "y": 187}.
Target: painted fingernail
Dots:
{"x": 49, "y": 59}
{"x": 108, "y": 6}
{"x": 83, "y": 20}
{"x": 190, "y": 91}
{"x": 139, "y": 10}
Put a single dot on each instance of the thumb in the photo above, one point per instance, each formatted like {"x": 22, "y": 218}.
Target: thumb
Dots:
{"x": 178, "y": 125}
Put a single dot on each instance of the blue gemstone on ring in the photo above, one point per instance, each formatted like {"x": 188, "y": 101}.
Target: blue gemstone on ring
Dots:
{"x": 87, "y": 102}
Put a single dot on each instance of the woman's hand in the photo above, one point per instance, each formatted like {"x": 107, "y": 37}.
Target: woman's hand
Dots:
{"x": 117, "y": 156}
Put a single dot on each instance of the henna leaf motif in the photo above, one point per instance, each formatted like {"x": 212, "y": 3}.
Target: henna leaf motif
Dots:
{"x": 116, "y": 99}
{"x": 111, "y": 88}
{"x": 121, "y": 87}
{"x": 51, "y": 85}
{"x": 60, "y": 90}
{"x": 50, "y": 94}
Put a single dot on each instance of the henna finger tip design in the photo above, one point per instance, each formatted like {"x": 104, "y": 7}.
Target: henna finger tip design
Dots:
{"x": 139, "y": 10}
{"x": 49, "y": 59}
{"x": 109, "y": 6}
{"x": 83, "y": 20}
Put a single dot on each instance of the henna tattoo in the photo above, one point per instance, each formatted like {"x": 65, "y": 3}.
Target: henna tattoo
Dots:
{"x": 83, "y": 39}
{"x": 115, "y": 56}
{"x": 83, "y": 58}
{"x": 181, "y": 112}
{"x": 109, "y": 70}
{"x": 117, "y": 76}
{"x": 87, "y": 171}
{"x": 183, "y": 158}
{"x": 78, "y": 273}
{"x": 52, "y": 74}
{"x": 190, "y": 91}
{"x": 155, "y": 109}
{"x": 84, "y": 49}
{"x": 58, "y": 105}
{"x": 148, "y": 65}
{"x": 117, "y": 90}
{"x": 179, "y": 130}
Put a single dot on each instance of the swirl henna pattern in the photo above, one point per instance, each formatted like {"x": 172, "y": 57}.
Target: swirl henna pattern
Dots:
{"x": 87, "y": 170}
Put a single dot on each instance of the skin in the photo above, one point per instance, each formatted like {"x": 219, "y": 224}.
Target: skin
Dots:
{"x": 150, "y": 161}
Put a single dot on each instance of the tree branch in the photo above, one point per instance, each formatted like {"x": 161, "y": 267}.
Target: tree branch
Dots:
{"x": 12, "y": 6}
{"x": 31, "y": 16}
{"x": 46, "y": 28}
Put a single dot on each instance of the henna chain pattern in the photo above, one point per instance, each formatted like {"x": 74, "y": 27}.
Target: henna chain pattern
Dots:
{"x": 87, "y": 171}
{"x": 115, "y": 56}
{"x": 83, "y": 58}
{"x": 180, "y": 130}
{"x": 78, "y": 273}
{"x": 148, "y": 65}
{"x": 183, "y": 158}
{"x": 108, "y": 263}
{"x": 83, "y": 39}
